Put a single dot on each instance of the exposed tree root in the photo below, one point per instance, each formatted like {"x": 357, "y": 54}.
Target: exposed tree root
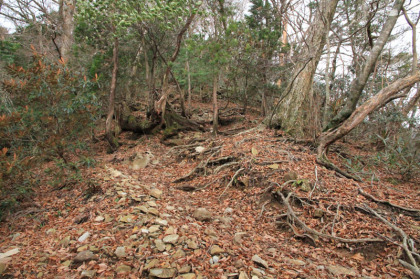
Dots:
{"x": 323, "y": 161}
{"x": 292, "y": 218}
{"x": 407, "y": 243}
{"x": 409, "y": 211}
{"x": 231, "y": 181}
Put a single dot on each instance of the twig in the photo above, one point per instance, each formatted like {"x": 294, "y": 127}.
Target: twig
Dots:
{"x": 335, "y": 218}
{"x": 262, "y": 209}
{"x": 231, "y": 181}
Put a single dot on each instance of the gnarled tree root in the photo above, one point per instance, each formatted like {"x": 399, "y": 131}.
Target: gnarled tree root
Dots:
{"x": 323, "y": 161}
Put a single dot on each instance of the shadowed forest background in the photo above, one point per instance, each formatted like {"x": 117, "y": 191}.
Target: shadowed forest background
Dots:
{"x": 82, "y": 82}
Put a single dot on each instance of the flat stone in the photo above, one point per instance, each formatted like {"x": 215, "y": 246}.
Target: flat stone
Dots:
{"x": 216, "y": 250}
{"x": 160, "y": 245}
{"x": 202, "y": 214}
{"x": 120, "y": 252}
{"x": 341, "y": 270}
{"x": 156, "y": 193}
{"x": 243, "y": 275}
{"x": 171, "y": 239}
{"x": 163, "y": 272}
{"x": 123, "y": 269}
{"x": 257, "y": 259}
{"x": 83, "y": 237}
{"x": 143, "y": 209}
{"x": 185, "y": 269}
{"x": 127, "y": 219}
{"x": 192, "y": 244}
{"x": 161, "y": 222}
{"x": 296, "y": 262}
{"x": 179, "y": 254}
{"x": 153, "y": 263}
{"x": 153, "y": 211}
{"x": 188, "y": 276}
{"x": 84, "y": 256}
{"x": 154, "y": 228}
{"x": 152, "y": 204}
{"x": 98, "y": 219}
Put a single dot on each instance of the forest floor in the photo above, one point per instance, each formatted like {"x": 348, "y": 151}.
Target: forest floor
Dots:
{"x": 212, "y": 207}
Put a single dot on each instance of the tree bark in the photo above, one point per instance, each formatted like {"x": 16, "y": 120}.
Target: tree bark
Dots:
{"x": 111, "y": 105}
{"x": 294, "y": 113}
{"x": 66, "y": 11}
{"x": 359, "y": 83}
{"x": 215, "y": 106}
{"x": 386, "y": 95}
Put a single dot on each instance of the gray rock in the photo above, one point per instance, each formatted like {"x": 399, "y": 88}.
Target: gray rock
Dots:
{"x": 88, "y": 273}
{"x": 215, "y": 259}
{"x": 202, "y": 214}
{"x": 185, "y": 269}
{"x": 179, "y": 254}
{"x": 257, "y": 259}
{"x": 120, "y": 252}
{"x": 192, "y": 244}
{"x": 243, "y": 275}
{"x": 83, "y": 237}
{"x": 84, "y": 256}
{"x": 161, "y": 222}
{"x": 163, "y": 272}
{"x": 187, "y": 276}
{"x": 171, "y": 239}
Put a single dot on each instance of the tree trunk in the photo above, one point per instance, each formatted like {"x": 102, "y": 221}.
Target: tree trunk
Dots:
{"x": 326, "y": 114}
{"x": 109, "y": 133}
{"x": 215, "y": 106}
{"x": 384, "y": 96}
{"x": 294, "y": 115}
{"x": 359, "y": 83}
{"x": 66, "y": 11}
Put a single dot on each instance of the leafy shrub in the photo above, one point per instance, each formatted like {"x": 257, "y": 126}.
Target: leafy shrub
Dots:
{"x": 49, "y": 116}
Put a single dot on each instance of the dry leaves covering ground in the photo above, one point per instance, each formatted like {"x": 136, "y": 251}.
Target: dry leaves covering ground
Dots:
{"x": 131, "y": 221}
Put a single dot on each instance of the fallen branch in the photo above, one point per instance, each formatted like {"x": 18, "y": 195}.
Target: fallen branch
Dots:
{"x": 412, "y": 211}
{"x": 329, "y": 165}
{"x": 292, "y": 216}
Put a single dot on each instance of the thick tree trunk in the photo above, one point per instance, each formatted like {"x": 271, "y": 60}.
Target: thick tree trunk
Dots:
{"x": 359, "y": 83}
{"x": 109, "y": 133}
{"x": 386, "y": 95}
{"x": 294, "y": 115}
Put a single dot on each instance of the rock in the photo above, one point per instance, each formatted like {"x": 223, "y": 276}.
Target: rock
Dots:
{"x": 9, "y": 253}
{"x": 216, "y": 250}
{"x": 179, "y": 254}
{"x": 153, "y": 263}
{"x": 156, "y": 193}
{"x": 3, "y": 267}
{"x": 88, "y": 273}
{"x": 202, "y": 214}
{"x": 51, "y": 231}
{"x": 65, "y": 241}
{"x": 192, "y": 244}
{"x": 200, "y": 149}
{"x": 341, "y": 270}
{"x": 318, "y": 213}
{"x": 143, "y": 209}
{"x": 210, "y": 231}
{"x": 171, "y": 239}
{"x": 163, "y": 272}
{"x": 123, "y": 269}
{"x": 296, "y": 262}
{"x": 161, "y": 222}
{"x": 160, "y": 245}
{"x": 153, "y": 211}
{"x": 185, "y": 269}
{"x": 238, "y": 264}
{"x": 99, "y": 219}
{"x": 187, "y": 276}
{"x": 228, "y": 210}
{"x": 243, "y": 275}
{"x": 84, "y": 256}
{"x": 257, "y": 259}
{"x": 107, "y": 218}
{"x": 290, "y": 176}
{"x": 215, "y": 259}
{"x": 237, "y": 239}
{"x": 154, "y": 228}
{"x": 127, "y": 219}
{"x": 120, "y": 252}
{"x": 140, "y": 162}
{"x": 152, "y": 204}
{"x": 83, "y": 248}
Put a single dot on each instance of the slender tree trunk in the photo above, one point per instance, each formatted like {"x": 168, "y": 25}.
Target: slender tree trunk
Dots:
{"x": 359, "y": 83}
{"x": 111, "y": 105}
{"x": 67, "y": 8}
{"x": 326, "y": 114}
{"x": 215, "y": 106}
{"x": 294, "y": 114}
{"x": 187, "y": 66}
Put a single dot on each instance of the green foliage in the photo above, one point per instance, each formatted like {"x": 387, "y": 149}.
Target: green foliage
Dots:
{"x": 8, "y": 51}
{"x": 51, "y": 110}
